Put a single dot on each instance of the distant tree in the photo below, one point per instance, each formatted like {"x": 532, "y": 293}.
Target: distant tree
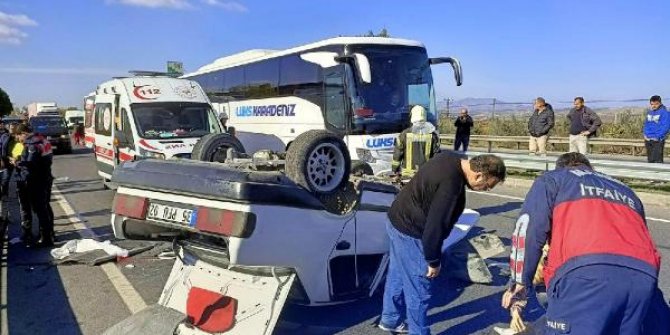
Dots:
{"x": 382, "y": 33}
{"x": 5, "y": 103}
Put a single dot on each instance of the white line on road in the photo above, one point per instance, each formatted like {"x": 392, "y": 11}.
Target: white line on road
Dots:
{"x": 129, "y": 295}
{"x": 522, "y": 199}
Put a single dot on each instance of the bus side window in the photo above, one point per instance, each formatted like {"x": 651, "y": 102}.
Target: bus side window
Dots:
{"x": 336, "y": 107}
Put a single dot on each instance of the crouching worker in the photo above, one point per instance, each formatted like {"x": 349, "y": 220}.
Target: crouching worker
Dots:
{"x": 602, "y": 267}
{"x": 35, "y": 172}
{"x": 415, "y": 145}
{"x": 420, "y": 219}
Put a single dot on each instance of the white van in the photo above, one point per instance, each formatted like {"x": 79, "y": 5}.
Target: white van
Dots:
{"x": 147, "y": 116}
{"x": 73, "y": 116}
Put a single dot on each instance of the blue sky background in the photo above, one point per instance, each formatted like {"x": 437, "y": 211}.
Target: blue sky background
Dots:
{"x": 513, "y": 50}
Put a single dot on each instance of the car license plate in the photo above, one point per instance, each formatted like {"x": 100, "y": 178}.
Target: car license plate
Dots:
{"x": 171, "y": 214}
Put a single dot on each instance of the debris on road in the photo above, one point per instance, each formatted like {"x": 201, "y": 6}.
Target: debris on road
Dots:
{"x": 61, "y": 179}
{"x": 487, "y": 245}
{"x": 85, "y": 245}
{"x": 130, "y": 266}
{"x": 466, "y": 259}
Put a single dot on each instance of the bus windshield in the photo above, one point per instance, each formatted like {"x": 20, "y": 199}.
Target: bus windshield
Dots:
{"x": 162, "y": 120}
{"x": 401, "y": 78}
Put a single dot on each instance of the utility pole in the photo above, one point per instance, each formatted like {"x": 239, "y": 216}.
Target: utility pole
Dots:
{"x": 493, "y": 110}
{"x": 448, "y": 101}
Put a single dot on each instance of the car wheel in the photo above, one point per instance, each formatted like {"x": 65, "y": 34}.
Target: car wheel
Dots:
{"x": 214, "y": 147}
{"x": 319, "y": 161}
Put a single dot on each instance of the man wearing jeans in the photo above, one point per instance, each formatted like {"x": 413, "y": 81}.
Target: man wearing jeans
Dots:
{"x": 656, "y": 127}
{"x": 539, "y": 125}
{"x": 583, "y": 124}
{"x": 421, "y": 217}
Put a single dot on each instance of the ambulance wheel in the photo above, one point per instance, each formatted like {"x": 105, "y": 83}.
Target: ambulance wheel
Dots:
{"x": 214, "y": 147}
{"x": 318, "y": 161}
{"x": 359, "y": 168}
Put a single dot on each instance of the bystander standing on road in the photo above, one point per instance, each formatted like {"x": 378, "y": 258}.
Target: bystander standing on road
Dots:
{"x": 584, "y": 123}
{"x": 79, "y": 133}
{"x": 463, "y": 125}
{"x": 597, "y": 234}
{"x": 35, "y": 170}
{"x": 421, "y": 217}
{"x": 656, "y": 128}
{"x": 539, "y": 125}
{"x": 5, "y": 175}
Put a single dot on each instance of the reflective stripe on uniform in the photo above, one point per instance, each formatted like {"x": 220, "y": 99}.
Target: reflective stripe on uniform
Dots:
{"x": 412, "y": 164}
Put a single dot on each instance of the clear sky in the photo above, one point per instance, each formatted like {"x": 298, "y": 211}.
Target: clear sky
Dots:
{"x": 514, "y": 50}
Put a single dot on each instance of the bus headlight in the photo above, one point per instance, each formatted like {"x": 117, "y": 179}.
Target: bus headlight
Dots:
{"x": 151, "y": 154}
{"x": 365, "y": 155}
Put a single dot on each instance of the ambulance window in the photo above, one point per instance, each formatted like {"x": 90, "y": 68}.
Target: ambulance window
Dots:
{"x": 117, "y": 119}
{"x": 127, "y": 130}
{"x": 103, "y": 119}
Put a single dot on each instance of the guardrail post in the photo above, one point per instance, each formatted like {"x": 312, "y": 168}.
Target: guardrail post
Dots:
{"x": 490, "y": 144}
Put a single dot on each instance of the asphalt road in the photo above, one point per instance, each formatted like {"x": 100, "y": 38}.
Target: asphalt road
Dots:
{"x": 40, "y": 298}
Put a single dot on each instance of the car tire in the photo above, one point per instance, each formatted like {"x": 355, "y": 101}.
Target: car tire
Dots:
{"x": 359, "y": 168}
{"x": 213, "y": 147}
{"x": 318, "y": 161}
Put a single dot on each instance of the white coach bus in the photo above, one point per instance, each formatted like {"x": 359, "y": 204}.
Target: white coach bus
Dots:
{"x": 361, "y": 88}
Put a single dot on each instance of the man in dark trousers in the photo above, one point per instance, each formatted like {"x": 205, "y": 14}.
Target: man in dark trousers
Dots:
{"x": 656, "y": 127}
{"x": 415, "y": 145}
{"x": 5, "y": 174}
{"x": 421, "y": 217}
{"x": 463, "y": 124}
{"x": 35, "y": 171}
{"x": 602, "y": 266}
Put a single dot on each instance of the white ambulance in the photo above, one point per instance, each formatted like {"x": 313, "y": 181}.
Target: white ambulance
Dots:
{"x": 147, "y": 116}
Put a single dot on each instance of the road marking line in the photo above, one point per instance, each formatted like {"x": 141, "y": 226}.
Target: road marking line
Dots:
{"x": 522, "y": 199}
{"x": 129, "y": 295}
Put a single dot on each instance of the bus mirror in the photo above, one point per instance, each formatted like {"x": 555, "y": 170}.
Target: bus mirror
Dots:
{"x": 361, "y": 62}
{"x": 363, "y": 65}
{"x": 455, "y": 64}
{"x": 321, "y": 58}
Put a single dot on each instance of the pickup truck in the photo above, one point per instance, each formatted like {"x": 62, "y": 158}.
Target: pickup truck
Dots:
{"x": 248, "y": 240}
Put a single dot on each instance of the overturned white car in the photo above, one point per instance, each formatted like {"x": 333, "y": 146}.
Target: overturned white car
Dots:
{"x": 248, "y": 240}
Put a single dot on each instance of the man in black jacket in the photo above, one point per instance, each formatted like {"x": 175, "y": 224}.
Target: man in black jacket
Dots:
{"x": 539, "y": 125}
{"x": 463, "y": 124}
{"x": 421, "y": 217}
{"x": 584, "y": 123}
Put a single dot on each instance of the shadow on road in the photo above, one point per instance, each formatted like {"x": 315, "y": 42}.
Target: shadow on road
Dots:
{"x": 37, "y": 302}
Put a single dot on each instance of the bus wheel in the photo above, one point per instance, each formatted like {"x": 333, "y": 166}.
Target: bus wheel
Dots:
{"x": 359, "y": 168}
{"x": 214, "y": 147}
{"x": 318, "y": 161}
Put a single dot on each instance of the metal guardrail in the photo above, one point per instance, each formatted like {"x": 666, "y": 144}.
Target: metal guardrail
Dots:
{"x": 619, "y": 169}
{"x": 632, "y": 143}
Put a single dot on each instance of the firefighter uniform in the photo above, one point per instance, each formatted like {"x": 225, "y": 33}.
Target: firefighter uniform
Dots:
{"x": 597, "y": 235}
{"x": 35, "y": 172}
{"x": 415, "y": 145}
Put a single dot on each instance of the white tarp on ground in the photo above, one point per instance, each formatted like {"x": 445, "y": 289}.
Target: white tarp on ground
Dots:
{"x": 85, "y": 245}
